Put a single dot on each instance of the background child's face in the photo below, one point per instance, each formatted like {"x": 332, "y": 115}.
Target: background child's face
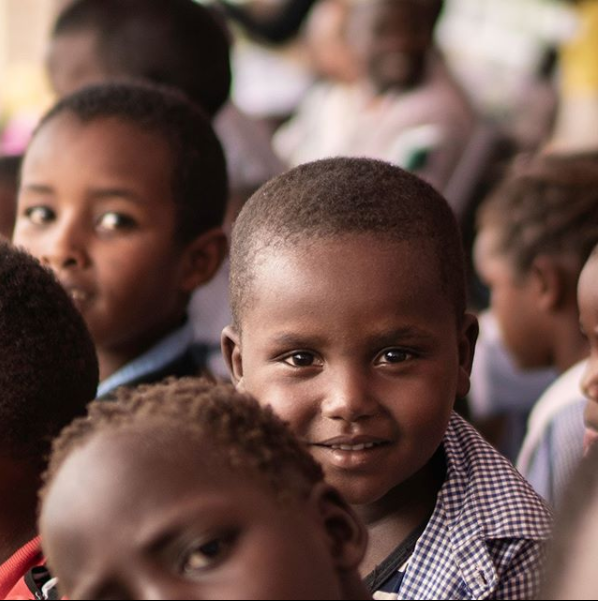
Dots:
{"x": 391, "y": 40}
{"x": 128, "y": 519}
{"x": 514, "y": 302}
{"x": 588, "y": 305}
{"x": 96, "y": 206}
{"x": 73, "y": 64}
{"x": 354, "y": 343}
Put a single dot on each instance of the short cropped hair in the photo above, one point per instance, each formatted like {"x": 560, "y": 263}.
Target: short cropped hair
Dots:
{"x": 199, "y": 178}
{"x": 178, "y": 43}
{"x": 342, "y": 197}
{"x": 547, "y": 206}
{"x": 49, "y": 369}
{"x": 250, "y": 439}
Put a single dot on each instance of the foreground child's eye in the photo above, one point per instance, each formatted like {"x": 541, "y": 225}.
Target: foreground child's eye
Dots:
{"x": 40, "y": 215}
{"x": 393, "y": 357}
{"x": 301, "y": 359}
{"x": 201, "y": 557}
{"x": 111, "y": 222}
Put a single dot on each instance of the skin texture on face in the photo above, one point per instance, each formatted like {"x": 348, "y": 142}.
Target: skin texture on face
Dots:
{"x": 96, "y": 205}
{"x": 391, "y": 41}
{"x": 515, "y": 303}
{"x": 588, "y": 305}
{"x": 359, "y": 352}
{"x": 156, "y": 516}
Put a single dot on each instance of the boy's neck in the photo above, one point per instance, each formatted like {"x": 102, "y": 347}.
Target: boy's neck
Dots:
{"x": 403, "y": 509}
{"x": 113, "y": 359}
{"x": 19, "y": 486}
{"x": 570, "y": 347}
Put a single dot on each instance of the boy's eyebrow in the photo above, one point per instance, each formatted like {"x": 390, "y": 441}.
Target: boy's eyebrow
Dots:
{"x": 106, "y": 193}
{"x": 38, "y": 188}
{"x": 409, "y": 333}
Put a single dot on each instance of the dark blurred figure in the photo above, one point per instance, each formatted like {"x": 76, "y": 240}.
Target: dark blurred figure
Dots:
{"x": 9, "y": 181}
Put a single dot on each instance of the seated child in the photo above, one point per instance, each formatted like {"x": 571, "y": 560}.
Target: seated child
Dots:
{"x": 48, "y": 375}
{"x": 123, "y": 193}
{"x": 348, "y": 292}
{"x": 588, "y": 303}
{"x": 405, "y": 108}
{"x": 536, "y": 231}
{"x": 223, "y": 504}
{"x": 9, "y": 176}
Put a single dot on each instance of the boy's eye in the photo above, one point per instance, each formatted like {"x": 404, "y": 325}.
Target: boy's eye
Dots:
{"x": 302, "y": 359}
{"x": 393, "y": 357}
{"x": 204, "y": 556}
{"x": 112, "y": 222}
{"x": 40, "y": 215}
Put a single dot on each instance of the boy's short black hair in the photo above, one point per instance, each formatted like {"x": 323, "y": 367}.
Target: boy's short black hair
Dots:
{"x": 341, "y": 197}
{"x": 249, "y": 438}
{"x": 48, "y": 365}
{"x": 10, "y": 167}
{"x": 199, "y": 178}
{"x": 546, "y": 206}
{"x": 178, "y": 43}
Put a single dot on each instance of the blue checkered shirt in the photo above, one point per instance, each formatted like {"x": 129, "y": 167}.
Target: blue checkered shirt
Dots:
{"x": 487, "y": 536}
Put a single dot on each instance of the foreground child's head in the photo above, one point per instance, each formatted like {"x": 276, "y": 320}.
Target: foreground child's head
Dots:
{"x": 588, "y": 305}
{"x": 186, "y": 490}
{"x": 123, "y": 192}
{"x": 177, "y": 43}
{"x": 347, "y": 287}
{"x": 392, "y": 39}
{"x": 536, "y": 231}
{"x": 49, "y": 370}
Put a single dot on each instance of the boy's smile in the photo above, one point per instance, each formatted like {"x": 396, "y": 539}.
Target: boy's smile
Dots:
{"x": 359, "y": 352}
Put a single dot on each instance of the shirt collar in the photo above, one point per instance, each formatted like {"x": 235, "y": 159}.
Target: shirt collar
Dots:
{"x": 166, "y": 351}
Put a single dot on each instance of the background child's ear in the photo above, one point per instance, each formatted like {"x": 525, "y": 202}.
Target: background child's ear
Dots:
{"x": 202, "y": 259}
{"x": 470, "y": 331}
{"x": 231, "y": 350}
{"x": 551, "y": 284}
{"x": 346, "y": 534}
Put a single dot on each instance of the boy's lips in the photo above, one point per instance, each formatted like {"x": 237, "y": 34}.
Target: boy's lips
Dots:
{"x": 351, "y": 452}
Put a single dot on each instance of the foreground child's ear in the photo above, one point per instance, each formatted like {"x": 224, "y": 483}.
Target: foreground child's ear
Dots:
{"x": 552, "y": 284}
{"x": 469, "y": 333}
{"x": 202, "y": 259}
{"x": 231, "y": 349}
{"x": 346, "y": 534}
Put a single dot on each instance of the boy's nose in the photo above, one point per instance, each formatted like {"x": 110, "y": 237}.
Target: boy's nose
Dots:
{"x": 64, "y": 251}
{"x": 350, "y": 398}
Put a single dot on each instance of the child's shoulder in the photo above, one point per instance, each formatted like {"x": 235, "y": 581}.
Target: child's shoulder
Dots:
{"x": 485, "y": 484}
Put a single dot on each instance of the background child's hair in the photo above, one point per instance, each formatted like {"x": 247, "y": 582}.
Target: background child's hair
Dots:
{"x": 548, "y": 206}
{"x": 248, "y": 438}
{"x": 199, "y": 178}
{"x": 48, "y": 365}
{"x": 170, "y": 42}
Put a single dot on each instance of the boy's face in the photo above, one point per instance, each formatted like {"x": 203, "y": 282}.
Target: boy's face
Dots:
{"x": 96, "y": 205}
{"x": 391, "y": 40}
{"x": 125, "y": 519}
{"x": 354, "y": 343}
{"x": 514, "y": 302}
{"x": 588, "y": 305}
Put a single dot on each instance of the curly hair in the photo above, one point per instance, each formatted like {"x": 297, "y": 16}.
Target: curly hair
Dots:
{"x": 49, "y": 367}
{"x": 548, "y": 206}
{"x": 199, "y": 178}
{"x": 249, "y": 438}
{"x": 341, "y": 197}
{"x": 177, "y": 43}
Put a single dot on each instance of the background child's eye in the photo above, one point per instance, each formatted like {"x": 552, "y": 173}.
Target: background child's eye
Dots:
{"x": 301, "y": 359}
{"x": 115, "y": 221}
{"x": 394, "y": 356}
{"x": 40, "y": 215}
{"x": 205, "y": 556}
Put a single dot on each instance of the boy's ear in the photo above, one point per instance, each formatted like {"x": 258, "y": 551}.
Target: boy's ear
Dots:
{"x": 346, "y": 534}
{"x": 470, "y": 331}
{"x": 550, "y": 284}
{"x": 231, "y": 349}
{"x": 203, "y": 258}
